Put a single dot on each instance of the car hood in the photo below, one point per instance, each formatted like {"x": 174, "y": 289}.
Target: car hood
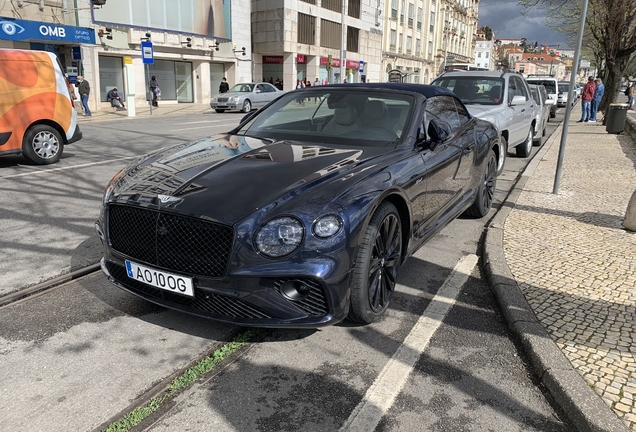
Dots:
{"x": 487, "y": 112}
{"x": 231, "y": 94}
{"x": 227, "y": 177}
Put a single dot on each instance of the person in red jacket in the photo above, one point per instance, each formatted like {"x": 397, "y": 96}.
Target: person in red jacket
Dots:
{"x": 586, "y": 98}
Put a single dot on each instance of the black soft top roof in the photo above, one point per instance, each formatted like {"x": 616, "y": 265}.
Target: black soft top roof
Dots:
{"x": 423, "y": 89}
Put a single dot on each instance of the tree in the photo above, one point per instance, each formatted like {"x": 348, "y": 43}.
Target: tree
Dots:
{"x": 487, "y": 32}
{"x": 610, "y": 34}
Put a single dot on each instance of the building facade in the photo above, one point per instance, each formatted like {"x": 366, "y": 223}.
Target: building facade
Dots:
{"x": 305, "y": 40}
{"x": 457, "y": 20}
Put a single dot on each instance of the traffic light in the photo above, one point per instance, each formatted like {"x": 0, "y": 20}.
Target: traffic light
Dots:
{"x": 329, "y": 59}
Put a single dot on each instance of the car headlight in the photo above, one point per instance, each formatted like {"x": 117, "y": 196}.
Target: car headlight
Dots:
{"x": 279, "y": 237}
{"x": 109, "y": 188}
{"x": 234, "y": 99}
{"x": 213, "y": 99}
{"x": 327, "y": 226}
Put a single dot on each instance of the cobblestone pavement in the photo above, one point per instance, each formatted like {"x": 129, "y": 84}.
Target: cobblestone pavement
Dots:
{"x": 576, "y": 264}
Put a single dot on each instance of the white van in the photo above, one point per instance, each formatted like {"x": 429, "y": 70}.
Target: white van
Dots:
{"x": 551, "y": 85}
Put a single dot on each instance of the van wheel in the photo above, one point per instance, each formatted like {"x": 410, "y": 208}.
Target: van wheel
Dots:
{"x": 42, "y": 145}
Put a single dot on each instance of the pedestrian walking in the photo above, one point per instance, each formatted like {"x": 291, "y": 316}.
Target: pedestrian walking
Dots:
{"x": 84, "y": 89}
{"x": 598, "y": 95}
{"x": 631, "y": 94}
{"x": 224, "y": 86}
{"x": 586, "y": 100}
{"x": 154, "y": 88}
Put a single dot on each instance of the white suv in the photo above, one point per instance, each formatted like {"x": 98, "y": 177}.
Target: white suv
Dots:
{"x": 500, "y": 97}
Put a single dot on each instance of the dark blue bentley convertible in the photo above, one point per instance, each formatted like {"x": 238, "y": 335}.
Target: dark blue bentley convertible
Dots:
{"x": 303, "y": 214}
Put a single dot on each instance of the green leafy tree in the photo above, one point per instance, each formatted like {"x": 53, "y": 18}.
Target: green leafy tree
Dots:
{"x": 610, "y": 34}
{"x": 487, "y": 32}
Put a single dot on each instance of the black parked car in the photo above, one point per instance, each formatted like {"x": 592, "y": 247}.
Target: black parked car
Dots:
{"x": 303, "y": 214}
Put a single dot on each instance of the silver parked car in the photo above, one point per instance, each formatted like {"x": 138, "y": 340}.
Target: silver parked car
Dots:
{"x": 245, "y": 97}
{"x": 500, "y": 97}
{"x": 542, "y": 113}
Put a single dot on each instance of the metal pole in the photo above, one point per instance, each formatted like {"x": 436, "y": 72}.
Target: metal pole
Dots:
{"x": 342, "y": 36}
{"x": 148, "y": 86}
{"x": 568, "y": 109}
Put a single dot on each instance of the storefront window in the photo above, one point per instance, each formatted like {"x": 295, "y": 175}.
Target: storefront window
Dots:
{"x": 111, "y": 75}
{"x": 174, "y": 79}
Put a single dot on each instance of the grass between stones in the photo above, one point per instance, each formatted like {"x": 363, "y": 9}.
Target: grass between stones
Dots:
{"x": 181, "y": 382}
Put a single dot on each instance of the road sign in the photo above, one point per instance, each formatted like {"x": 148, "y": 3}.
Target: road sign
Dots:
{"x": 147, "y": 53}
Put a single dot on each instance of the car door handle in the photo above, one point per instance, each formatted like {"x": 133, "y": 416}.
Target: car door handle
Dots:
{"x": 523, "y": 110}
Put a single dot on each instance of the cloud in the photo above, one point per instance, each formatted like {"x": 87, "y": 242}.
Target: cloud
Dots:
{"x": 505, "y": 18}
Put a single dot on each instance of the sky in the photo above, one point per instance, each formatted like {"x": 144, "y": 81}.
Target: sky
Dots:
{"x": 504, "y": 17}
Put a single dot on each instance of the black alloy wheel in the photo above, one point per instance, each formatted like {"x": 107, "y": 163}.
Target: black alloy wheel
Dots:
{"x": 486, "y": 191}
{"x": 379, "y": 258}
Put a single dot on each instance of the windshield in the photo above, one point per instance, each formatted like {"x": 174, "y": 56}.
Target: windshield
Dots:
{"x": 242, "y": 88}
{"x": 563, "y": 88}
{"x": 356, "y": 116}
{"x": 474, "y": 90}
{"x": 548, "y": 84}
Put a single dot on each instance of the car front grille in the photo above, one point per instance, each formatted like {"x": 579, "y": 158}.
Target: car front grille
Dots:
{"x": 314, "y": 304}
{"x": 176, "y": 243}
{"x": 219, "y": 305}
{"x": 224, "y": 100}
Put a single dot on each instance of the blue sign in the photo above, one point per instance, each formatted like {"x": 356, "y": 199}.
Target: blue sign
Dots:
{"x": 77, "y": 53}
{"x": 361, "y": 66}
{"x": 18, "y": 30}
{"x": 147, "y": 54}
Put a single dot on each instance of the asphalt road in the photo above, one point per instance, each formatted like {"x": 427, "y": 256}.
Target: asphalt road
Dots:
{"x": 82, "y": 353}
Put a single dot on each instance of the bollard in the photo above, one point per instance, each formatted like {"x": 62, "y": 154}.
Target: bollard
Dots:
{"x": 630, "y": 215}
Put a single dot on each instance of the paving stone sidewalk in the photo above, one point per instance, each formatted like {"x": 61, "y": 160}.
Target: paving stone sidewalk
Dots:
{"x": 164, "y": 110}
{"x": 574, "y": 261}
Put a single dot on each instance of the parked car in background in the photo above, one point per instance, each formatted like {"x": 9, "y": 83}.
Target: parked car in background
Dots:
{"x": 502, "y": 98}
{"x": 542, "y": 113}
{"x": 245, "y": 97}
{"x": 562, "y": 96}
{"x": 348, "y": 187}
{"x": 551, "y": 85}
{"x": 578, "y": 90}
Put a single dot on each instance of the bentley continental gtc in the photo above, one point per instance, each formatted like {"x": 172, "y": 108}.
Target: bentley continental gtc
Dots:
{"x": 301, "y": 215}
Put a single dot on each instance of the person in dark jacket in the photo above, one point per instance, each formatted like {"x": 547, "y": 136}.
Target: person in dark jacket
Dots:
{"x": 115, "y": 99}
{"x": 84, "y": 90}
{"x": 224, "y": 87}
{"x": 153, "y": 88}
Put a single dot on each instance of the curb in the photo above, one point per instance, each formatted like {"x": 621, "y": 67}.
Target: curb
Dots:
{"x": 584, "y": 408}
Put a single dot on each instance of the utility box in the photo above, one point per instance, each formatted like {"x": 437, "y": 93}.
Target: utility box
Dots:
{"x": 616, "y": 117}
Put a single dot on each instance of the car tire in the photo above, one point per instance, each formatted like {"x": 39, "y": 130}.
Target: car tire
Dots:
{"x": 525, "y": 148}
{"x": 553, "y": 113}
{"x": 247, "y": 106}
{"x": 378, "y": 260}
{"x": 42, "y": 144}
{"x": 486, "y": 190}
{"x": 220, "y": 111}
{"x": 503, "y": 154}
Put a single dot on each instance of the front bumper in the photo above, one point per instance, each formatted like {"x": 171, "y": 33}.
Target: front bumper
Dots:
{"x": 247, "y": 301}
{"x": 227, "y": 106}
{"x": 77, "y": 135}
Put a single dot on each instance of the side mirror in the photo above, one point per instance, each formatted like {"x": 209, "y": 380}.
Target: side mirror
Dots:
{"x": 549, "y": 102}
{"x": 258, "y": 90}
{"x": 518, "y": 100}
{"x": 438, "y": 131}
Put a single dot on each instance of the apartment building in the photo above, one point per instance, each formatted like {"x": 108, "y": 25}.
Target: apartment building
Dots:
{"x": 332, "y": 40}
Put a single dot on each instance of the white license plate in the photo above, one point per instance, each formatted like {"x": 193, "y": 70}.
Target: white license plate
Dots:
{"x": 160, "y": 279}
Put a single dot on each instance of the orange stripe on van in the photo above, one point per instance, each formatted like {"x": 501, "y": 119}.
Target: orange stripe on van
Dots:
{"x": 27, "y": 74}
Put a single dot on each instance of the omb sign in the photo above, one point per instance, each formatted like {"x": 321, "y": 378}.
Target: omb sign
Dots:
{"x": 15, "y": 29}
